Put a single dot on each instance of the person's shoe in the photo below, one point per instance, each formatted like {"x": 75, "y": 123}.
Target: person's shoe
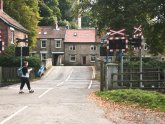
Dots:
{"x": 31, "y": 91}
{"x": 20, "y": 92}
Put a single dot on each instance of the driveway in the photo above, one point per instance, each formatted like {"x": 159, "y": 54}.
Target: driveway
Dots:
{"x": 60, "y": 97}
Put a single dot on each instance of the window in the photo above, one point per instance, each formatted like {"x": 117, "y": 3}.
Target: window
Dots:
{"x": 93, "y": 47}
{"x": 93, "y": 58}
{"x": 43, "y": 43}
{"x": 72, "y": 58}
{"x": 12, "y": 37}
{"x": 57, "y": 43}
{"x": 73, "y": 47}
{"x": 43, "y": 56}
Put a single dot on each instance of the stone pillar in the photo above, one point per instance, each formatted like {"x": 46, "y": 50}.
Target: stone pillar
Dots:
{"x": 111, "y": 68}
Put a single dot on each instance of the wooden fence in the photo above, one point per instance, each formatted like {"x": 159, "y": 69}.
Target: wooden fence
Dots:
{"x": 152, "y": 78}
{"x": 132, "y": 79}
{"x": 8, "y": 75}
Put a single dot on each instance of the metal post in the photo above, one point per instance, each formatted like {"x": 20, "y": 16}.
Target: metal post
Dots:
{"x": 121, "y": 67}
{"x": 21, "y": 56}
{"x": 101, "y": 76}
{"x": 107, "y": 57}
{"x": 141, "y": 69}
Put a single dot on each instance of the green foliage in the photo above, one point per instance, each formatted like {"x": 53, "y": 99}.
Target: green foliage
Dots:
{"x": 118, "y": 14}
{"x": 10, "y": 60}
{"x": 147, "y": 63}
{"x": 65, "y": 8}
{"x": 34, "y": 62}
{"x": 73, "y": 25}
{"x": 50, "y": 12}
{"x": 150, "y": 99}
{"x": 26, "y": 13}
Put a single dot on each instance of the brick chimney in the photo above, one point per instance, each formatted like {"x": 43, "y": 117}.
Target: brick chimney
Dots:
{"x": 1, "y": 5}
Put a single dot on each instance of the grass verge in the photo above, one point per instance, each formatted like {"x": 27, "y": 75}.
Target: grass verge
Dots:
{"x": 147, "y": 99}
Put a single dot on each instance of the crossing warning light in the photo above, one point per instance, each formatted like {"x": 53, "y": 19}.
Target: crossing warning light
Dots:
{"x": 135, "y": 42}
{"x": 117, "y": 44}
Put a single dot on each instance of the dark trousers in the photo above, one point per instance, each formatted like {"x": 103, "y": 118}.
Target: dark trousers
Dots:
{"x": 23, "y": 81}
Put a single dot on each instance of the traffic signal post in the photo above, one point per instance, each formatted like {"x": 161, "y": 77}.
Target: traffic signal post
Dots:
{"x": 138, "y": 39}
{"x": 117, "y": 41}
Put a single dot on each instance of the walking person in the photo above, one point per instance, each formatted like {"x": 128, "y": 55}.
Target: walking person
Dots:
{"x": 25, "y": 78}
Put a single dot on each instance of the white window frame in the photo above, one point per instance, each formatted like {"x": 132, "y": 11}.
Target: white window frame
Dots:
{"x": 12, "y": 37}
{"x": 72, "y": 47}
{"x": 93, "y": 58}
{"x": 43, "y": 57}
{"x": 43, "y": 40}
{"x": 58, "y": 45}
{"x": 71, "y": 58}
{"x": 93, "y": 47}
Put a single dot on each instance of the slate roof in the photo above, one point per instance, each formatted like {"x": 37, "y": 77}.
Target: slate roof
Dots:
{"x": 80, "y": 35}
{"x": 50, "y": 32}
{"x": 11, "y": 22}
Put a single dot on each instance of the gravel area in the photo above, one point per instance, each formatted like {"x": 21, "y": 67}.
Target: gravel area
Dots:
{"x": 124, "y": 114}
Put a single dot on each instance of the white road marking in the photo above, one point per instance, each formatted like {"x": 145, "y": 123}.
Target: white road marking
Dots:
{"x": 89, "y": 87}
{"x": 79, "y": 80}
{"x": 14, "y": 114}
{"x": 69, "y": 75}
{"x": 59, "y": 84}
{"x": 45, "y": 92}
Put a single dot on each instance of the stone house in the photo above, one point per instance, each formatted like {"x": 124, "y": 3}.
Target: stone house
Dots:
{"x": 50, "y": 44}
{"x": 81, "y": 47}
{"x": 67, "y": 46}
{"x": 10, "y": 29}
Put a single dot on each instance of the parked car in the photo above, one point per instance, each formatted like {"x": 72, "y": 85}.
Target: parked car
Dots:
{"x": 41, "y": 71}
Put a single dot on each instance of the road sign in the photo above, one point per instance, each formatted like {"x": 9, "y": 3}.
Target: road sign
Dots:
{"x": 117, "y": 40}
{"x": 137, "y": 37}
{"x": 25, "y": 51}
{"x": 119, "y": 32}
{"x": 138, "y": 31}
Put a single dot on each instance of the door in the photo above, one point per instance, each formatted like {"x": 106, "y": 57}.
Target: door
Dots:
{"x": 55, "y": 58}
{"x": 84, "y": 60}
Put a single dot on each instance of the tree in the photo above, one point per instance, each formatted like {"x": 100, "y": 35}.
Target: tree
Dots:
{"x": 49, "y": 12}
{"x": 119, "y": 14}
{"x": 26, "y": 13}
{"x": 65, "y": 8}
{"x": 126, "y": 14}
{"x": 155, "y": 29}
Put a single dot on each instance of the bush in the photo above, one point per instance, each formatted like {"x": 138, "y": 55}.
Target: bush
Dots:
{"x": 147, "y": 63}
{"x": 8, "y": 59}
{"x": 150, "y": 99}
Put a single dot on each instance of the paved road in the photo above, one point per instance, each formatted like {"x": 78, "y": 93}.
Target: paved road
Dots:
{"x": 61, "y": 97}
